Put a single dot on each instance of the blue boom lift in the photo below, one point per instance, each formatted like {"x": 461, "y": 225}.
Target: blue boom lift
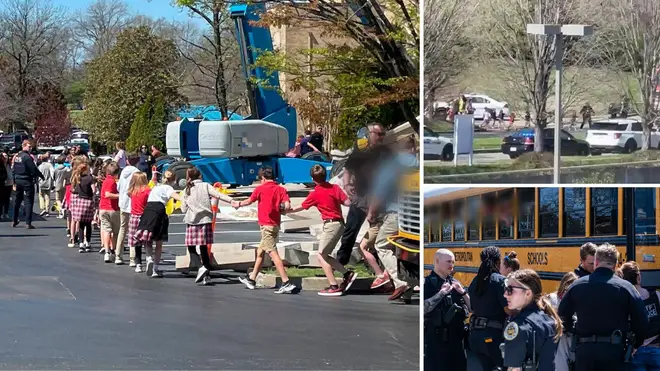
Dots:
{"x": 231, "y": 152}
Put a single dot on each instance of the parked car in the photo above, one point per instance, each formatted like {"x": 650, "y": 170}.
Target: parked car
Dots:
{"x": 618, "y": 135}
{"x": 480, "y": 102}
{"x": 437, "y": 147}
{"x": 522, "y": 141}
{"x": 13, "y": 142}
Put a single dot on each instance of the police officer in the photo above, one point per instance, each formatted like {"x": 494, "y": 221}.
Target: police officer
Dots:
{"x": 488, "y": 310}
{"x": 25, "y": 177}
{"x": 446, "y": 304}
{"x": 530, "y": 339}
{"x": 607, "y": 308}
{"x": 647, "y": 356}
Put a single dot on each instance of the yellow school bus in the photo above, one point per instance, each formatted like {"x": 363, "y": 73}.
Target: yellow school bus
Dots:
{"x": 407, "y": 241}
{"x": 545, "y": 226}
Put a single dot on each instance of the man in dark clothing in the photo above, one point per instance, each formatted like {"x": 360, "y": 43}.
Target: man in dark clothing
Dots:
{"x": 316, "y": 140}
{"x": 607, "y": 308}
{"x": 586, "y": 267}
{"x": 144, "y": 165}
{"x": 25, "y": 177}
{"x": 357, "y": 182}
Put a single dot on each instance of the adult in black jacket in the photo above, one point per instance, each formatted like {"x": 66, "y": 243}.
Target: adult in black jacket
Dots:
{"x": 586, "y": 267}
{"x": 607, "y": 308}
{"x": 25, "y": 178}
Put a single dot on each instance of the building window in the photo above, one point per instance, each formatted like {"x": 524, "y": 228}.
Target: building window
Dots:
{"x": 526, "y": 197}
{"x": 549, "y": 212}
{"x": 575, "y": 203}
{"x": 604, "y": 211}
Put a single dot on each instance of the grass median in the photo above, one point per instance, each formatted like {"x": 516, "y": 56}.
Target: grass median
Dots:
{"x": 298, "y": 272}
{"x": 530, "y": 161}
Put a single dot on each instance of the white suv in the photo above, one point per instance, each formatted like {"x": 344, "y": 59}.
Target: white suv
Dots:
{"x": 437, "y": 147}
{"x": 480, "y": 102}
{"x": 618, "y": 135}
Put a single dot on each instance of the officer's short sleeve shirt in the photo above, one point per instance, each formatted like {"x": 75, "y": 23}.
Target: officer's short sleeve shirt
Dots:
{"x": 516, "y": 335}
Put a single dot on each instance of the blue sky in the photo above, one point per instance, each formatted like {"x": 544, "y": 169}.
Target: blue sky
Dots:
{"x": 153, "y": 8}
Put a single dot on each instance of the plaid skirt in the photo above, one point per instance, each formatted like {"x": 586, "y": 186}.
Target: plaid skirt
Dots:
{"x": 82, "y": 209}
{"x": 133, "y": 224}
{"x": 199, "y": 235}
{"x": 154, "y": 224}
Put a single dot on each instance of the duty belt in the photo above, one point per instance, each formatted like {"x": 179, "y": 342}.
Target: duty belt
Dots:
{"x": 615, "y": 340}
{"x": 481, "y": 323}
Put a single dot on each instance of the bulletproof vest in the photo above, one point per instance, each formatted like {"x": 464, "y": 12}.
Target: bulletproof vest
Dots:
{"x": 19, "y": 168}
{"x": 451, "y": 311}
{"x": 652, "y": 305}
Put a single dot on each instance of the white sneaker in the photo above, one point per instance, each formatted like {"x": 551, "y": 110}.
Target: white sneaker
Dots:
{"x": 81, "y": 249}
{"x": 119, "y": 260}
{"x": 107, "y": 258}
{"x": 150, "y": 267}
{"x": 102, "y": 251}
{"x": 71, "y": 244}
{"x": 201, "y": 273}
{"x": 156, "y": 273}
{"x": 87, "y": 247}
{"x": 286, "y": 288}
{"x": 206, "y": 281}
{"x": 138, "y": 268}
{"x": 131, "y": 263}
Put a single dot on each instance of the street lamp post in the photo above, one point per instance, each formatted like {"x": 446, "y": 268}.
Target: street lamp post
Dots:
{"x": 559, "y": 31}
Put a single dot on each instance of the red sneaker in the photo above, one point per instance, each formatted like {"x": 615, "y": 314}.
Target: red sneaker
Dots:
{"x": 332, "y": 291}
{"x": 380, "y": 281}
{"x": 398, "y": 292}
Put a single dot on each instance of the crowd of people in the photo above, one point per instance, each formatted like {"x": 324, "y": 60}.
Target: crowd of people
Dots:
{"x": 127, "y": 203}
{"x": 600, "y": 317}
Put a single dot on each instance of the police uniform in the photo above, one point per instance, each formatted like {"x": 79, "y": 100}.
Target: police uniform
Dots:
{"x": 487, "y": 321}
{"x": 25, "y": 176}
{"x": 607, "y": 308}
{"x": 444, "y": 328}
{"x": 529, "y": 340}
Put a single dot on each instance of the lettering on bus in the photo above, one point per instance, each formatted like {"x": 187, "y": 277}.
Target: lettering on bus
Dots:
{"x": 537, "y": 258}
{"x": 463, "y": 256}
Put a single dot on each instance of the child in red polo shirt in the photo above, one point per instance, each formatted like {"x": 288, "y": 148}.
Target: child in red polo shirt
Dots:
{"x": 272, "y": 199}
{"x": 109, "y": 214}
{"x": 328, "y": 199}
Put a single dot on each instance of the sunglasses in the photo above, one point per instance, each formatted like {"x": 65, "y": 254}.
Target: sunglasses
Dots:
{"x": 379, "y": 133}
{"x": 508, "y": 289}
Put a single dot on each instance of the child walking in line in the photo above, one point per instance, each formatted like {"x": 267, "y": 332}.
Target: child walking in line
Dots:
{"x": 138, "y": 191}
{"x": 82, "y": 209}
{"x": 328, "y": 199}
{"x": 109, "y": 214}
{"x": 154, "y": 223}
{"x": 59, "y": 176}
{"x": 272, "y": 199}
{"x": 198, "y": 217}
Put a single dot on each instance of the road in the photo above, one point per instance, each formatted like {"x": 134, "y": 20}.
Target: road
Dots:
{"x": 66, "y": 310}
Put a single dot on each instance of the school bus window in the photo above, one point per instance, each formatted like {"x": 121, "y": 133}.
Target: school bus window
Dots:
{"x": 526, "y": 212}
{"x": 445, "y": 212}
{"x": 435, "y": 228}
{"x": 645, "y": 205}
{"x": 488, "y": 219}
{"x": 459, "y": 223}
{"x": 549, "y": 212}
{"x": 575, "y": 203}
{"x": 474, "y": 204}
{"x": 605, "y": 211}
{"x": 504, "y": 211}
{"x": 427, "y": 230}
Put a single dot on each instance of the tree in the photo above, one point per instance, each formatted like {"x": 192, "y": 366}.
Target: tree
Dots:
{"x": 98, "y": 26}
{"x": 215, "y": 55}
{"x": 32, "y": 34}
{"x": 445, "y": 43}
{"x": 383, "y": 34}
{"x": 526, "y": 61}
{"x": 632, "y": 46}
{"x": 139, "y": 66}
{"x": 52, "y": 124}
{"x": 157, "y": 122}
{"x": 140, "y": 129}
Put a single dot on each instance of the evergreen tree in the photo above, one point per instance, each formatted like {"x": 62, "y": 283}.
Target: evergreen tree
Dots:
{"x": 158, "y": 121}
{"x": 141, "y": 132}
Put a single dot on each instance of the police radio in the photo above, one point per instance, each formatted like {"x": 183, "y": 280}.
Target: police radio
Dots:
{"x": 530, "y": 364}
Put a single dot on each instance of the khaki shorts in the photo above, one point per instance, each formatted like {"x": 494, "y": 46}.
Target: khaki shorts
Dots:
{"x": 370, "y": 237}
{"x": 110, "y": 221}
{"x": 330, "y": 236}
{"x": 269, "y": 237}
{"x": 59, "y": 194}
